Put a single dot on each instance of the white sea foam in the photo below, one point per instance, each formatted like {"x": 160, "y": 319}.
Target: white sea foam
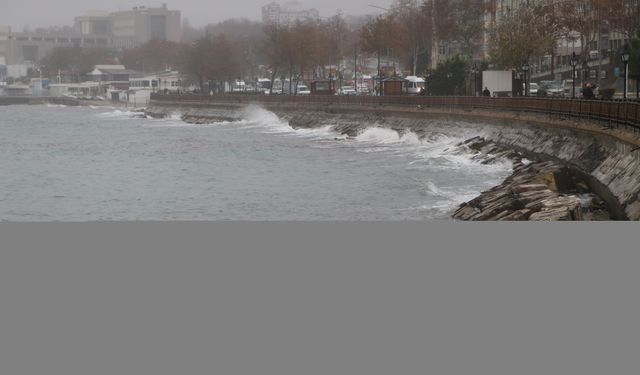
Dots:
{"x": 121, "y": 114}
{"x": 265, "y": 121}
{"x": 258, "y": 117}
{"x": 176, "y": 116}
{"x": 323, "y": 132}
{"x": 49, "y": 105}
{"x": 383, "y": 136}
{"x": 430, "y": 188}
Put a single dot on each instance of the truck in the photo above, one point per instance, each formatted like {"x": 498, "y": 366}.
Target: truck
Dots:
{"x": 499, "y": 82}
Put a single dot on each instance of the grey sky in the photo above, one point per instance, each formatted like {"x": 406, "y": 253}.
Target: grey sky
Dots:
{"x": 35, "y": 13}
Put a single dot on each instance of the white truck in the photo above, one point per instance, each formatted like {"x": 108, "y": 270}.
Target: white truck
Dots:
{"x": 499, "y": 82}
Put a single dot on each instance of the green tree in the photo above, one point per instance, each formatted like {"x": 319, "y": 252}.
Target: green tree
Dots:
{"x": 448, "y": 78}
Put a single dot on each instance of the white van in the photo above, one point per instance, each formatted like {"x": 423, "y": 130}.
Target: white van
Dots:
{"x": 415, "y": 85}
{"x": 303, "y": 89}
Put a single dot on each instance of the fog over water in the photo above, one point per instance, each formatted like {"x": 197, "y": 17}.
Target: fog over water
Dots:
{"x": 18, "y": 14}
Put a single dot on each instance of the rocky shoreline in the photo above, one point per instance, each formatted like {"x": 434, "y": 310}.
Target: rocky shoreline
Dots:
{"x": 542, "y": 190}
{"x": 536, "y": 191}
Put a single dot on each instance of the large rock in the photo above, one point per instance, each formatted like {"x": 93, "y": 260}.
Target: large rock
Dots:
{"x": 533, "y": 192}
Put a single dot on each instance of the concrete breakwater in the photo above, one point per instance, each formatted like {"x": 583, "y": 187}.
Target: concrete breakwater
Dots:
{"x": 603, "y": 159}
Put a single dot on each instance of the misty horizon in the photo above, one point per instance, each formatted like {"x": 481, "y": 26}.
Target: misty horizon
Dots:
{"x": 198, "y": 12}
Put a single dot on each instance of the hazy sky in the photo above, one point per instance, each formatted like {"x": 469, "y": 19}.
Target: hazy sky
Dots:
{"x": 18, "y": 13}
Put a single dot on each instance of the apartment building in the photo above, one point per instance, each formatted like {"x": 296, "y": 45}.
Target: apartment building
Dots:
{"x": 606, "y": 42}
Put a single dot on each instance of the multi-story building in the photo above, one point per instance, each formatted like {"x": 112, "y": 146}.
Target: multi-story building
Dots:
{"x": 593, "y": 55}
{"x": 123, "y": 29}
{"x": 140, "y": 25}
{"x": 93, "y": 22}
{"x": 26, "y": 48}
{"x": 288, "y": 13}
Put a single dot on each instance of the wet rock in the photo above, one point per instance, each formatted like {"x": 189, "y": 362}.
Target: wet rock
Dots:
{"x": 529, "y": 187}
{"x": 559, "y": 214}
{"x": 520, "y": 215}
{"x": 539, "y": 191}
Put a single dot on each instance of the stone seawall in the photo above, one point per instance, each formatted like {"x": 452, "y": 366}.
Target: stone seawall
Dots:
{"x": 607, "y": 157}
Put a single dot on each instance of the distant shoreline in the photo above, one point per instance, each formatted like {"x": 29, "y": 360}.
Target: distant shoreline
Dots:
{"x": 40, "y": 100}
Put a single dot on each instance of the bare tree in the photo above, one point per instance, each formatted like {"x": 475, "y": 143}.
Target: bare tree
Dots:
{"x": 379, "y": 36}
{"x": 518, "y": 37}
{"x": 154, "y": 56}
{"x": 74, "y": 61}
{"x": 213, "y": 59}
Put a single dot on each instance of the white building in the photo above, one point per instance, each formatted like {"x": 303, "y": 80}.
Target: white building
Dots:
{"x": 140, "y": 88}
{"x": 116, "y": 30}
{"x": 288, "y": 13}
{"x": 78, "y": 90}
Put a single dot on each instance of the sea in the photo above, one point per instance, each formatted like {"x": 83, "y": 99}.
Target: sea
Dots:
{"x": 96, "y": 164}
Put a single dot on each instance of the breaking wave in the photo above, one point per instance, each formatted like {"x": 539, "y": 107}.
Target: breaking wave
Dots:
{"x": 120, "y": 114}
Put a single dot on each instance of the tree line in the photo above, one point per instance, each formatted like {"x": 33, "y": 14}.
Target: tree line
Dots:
{"x": 408, "y": 32}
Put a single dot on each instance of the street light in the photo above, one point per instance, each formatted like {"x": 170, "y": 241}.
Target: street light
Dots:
{"x": 625, "y": 59}
{"x": 525, "y": 69}
{"x": 574, "y": 63}
{"x": 474, "y": 72}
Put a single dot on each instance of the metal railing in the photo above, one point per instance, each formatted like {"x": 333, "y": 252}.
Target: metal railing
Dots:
{"x": 611, "y": 111}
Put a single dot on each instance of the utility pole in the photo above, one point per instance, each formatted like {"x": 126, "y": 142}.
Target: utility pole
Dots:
{"x": 599, "y": 25}
{"x": 355, "y": 66}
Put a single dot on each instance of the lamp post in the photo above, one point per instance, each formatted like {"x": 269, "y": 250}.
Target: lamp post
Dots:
{"x": 625, "y": 60}
{"x": 474, "y": 72}
{"x": 525, "y": 69}
{"x": 574, "y": 63}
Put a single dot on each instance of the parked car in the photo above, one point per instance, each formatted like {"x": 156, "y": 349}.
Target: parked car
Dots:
{"x": 533, "y": 89}
{"x": 347, "y": 90}
{"x": 550, "y": 88}
{"x": 303, "y": 90}
{"x": 363, "y": 90}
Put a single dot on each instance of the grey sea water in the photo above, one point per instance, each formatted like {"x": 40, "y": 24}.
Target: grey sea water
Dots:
{"x": 105, "y": 164}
